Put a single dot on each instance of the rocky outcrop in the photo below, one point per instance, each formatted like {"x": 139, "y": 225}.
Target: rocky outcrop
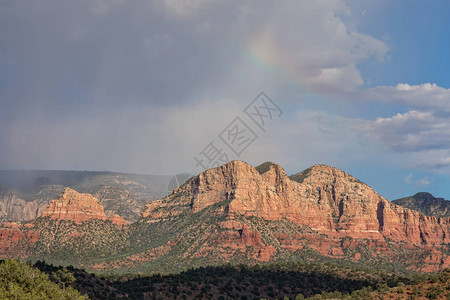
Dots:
{"x": 117, "y": 220}
{"x": 119, "y": 193}
{"x": 74, "y": 206}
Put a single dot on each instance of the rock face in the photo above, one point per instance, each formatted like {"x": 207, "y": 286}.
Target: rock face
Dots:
{"x": 118, "y": 220}
{"x": 326, "y": 200}
{"x": 74, "y": 206}
{"x": 14, "y": 208}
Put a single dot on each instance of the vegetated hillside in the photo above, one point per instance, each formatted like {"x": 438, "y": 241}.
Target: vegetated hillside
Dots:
{"x": 427, "y": 204}
{"x": 19, "y": 280}
{"x": 273, "y": 281}
{"x": 435, "y": 286}
{"x": 25, "y": 194}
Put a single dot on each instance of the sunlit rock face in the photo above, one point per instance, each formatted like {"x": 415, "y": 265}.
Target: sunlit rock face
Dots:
{"x": 324, "y": 198}
{"x": 74, "y": 206}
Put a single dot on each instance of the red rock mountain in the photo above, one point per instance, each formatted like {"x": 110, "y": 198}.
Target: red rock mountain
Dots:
{"x": 74, "y": 206}
{"x": 78, "y": 207}
{"x": 326, "y": 200}
{"x": 240, "y": 214}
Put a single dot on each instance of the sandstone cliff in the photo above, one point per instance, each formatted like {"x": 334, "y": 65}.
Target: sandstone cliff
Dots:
{"x": 119, "y": 193}
{"x": 326, "y": 199}
{"x": 330, "y": 203}
{"x": 74, "y": 206}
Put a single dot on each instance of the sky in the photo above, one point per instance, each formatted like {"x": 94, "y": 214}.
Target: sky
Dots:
{"x": 168, "y": 87}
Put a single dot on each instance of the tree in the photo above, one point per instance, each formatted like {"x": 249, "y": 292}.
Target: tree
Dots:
{"x": 19, "y": 280}
{"x": 300, "y": 297}
{"x": 64, "y": 277}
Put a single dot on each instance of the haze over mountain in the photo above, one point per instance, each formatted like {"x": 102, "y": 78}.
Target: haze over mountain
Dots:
{"x": 24, "y": 195}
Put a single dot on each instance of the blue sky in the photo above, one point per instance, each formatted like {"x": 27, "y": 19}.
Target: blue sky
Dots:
{"x": 417, "y": 32}
{"x": 145, "y": 86}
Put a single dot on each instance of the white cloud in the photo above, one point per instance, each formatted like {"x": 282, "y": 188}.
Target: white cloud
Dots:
{"x": 427, "y": 96}
{"x": 410, "y": 132}
{"x": 435, "y": 162}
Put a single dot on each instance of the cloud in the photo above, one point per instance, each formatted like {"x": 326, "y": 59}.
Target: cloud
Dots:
{"x": 124, "y": 85}
{"x": 164, "y": 140}
{"x": 184, "y": 9}
{"x": 160, "y": 140}
{"x": 309, "y": 42}
{"x": 137, "y": 52}
{"x": 435, "y": 162}
{"x": 412, "y": 131}
{"x": 417, "y": 183}
{"x": 102, "y": 7}
{"x": 415, "y": 139}
{"x": 427, "y": 96}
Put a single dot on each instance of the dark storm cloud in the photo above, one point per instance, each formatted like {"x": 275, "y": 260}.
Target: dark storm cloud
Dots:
{"x": 62, "y": 55}
{"x": 72, "y": 73}
{"x": 144, "y": 85}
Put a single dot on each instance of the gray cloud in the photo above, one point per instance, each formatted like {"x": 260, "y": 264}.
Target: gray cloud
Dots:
{"x": 143, "y": 85}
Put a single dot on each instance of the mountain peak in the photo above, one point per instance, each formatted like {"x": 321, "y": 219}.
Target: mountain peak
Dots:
{"x": 426, "y": 204}
{"x": 321, "y": 172}
{"x": 74, "y": 206}
{"x": 322, "y": 197}
{"x": 425, "y": 195}
{"x": 264, "y": 167}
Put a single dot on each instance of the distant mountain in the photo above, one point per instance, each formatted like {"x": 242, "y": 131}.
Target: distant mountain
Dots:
{"x": 25, "y": 194}
{"x": 426, "y": 204}
{"x": 238, "y": 214}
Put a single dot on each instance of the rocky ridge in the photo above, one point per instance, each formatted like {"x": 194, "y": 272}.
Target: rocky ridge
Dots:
{"x": 327, "y": 200}
{"x": 336, "y": 213}
{"x": 426, "y": 204}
